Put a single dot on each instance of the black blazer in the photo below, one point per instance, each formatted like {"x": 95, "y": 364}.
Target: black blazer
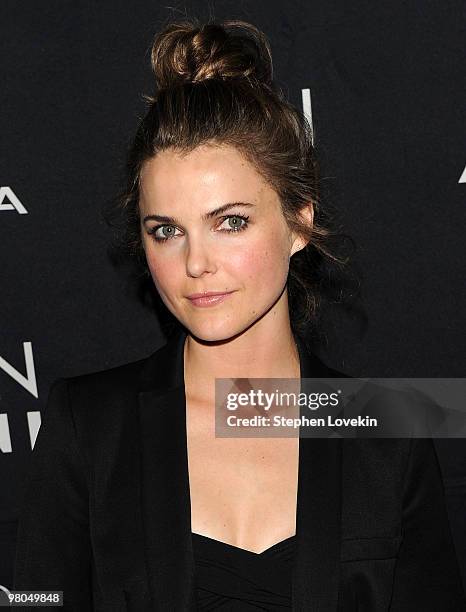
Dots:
{"x": 106, "y": 510}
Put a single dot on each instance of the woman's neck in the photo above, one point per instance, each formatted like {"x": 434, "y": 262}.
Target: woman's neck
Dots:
{"x": 257, "y": 353}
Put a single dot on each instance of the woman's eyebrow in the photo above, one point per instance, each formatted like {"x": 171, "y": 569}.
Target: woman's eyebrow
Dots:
{"x": 205, "y": 217}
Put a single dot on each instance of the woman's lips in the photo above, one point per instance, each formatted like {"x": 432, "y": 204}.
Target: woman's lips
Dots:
{"x": 209, "y": 300}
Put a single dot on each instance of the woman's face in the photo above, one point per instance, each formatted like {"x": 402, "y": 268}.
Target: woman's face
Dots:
{"x": 192, "y": 249}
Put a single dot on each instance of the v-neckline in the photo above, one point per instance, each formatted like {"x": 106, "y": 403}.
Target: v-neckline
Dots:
{"x": 213, "y": 541}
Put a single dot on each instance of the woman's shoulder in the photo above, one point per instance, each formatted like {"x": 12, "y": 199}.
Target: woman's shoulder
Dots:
{"x": 112, "y": 388}
{"x": 119, "y": 371}
{"x": 312, "y": 365}
{"x": 122, "y": 375}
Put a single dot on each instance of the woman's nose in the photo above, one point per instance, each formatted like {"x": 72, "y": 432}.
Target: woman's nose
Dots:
{"x": 199, "y": 258}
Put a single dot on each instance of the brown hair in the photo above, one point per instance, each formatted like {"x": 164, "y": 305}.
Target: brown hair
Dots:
{"x": 214, "y": 84}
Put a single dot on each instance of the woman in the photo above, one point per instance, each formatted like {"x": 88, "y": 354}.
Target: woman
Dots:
{"x": 132, "y": 502}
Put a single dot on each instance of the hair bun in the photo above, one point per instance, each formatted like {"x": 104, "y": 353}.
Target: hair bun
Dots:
{"x": 185, "y": 52}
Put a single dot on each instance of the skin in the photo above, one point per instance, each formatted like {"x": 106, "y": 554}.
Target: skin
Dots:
{"x": 243, "y": 490}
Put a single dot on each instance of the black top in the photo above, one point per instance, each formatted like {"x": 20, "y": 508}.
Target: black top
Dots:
{"x": 232, "y": 578}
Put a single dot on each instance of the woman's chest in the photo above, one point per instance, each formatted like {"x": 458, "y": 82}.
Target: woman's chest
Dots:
{"x": 243, "y": 491}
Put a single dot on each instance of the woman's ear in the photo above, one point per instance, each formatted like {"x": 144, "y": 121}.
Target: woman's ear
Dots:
{"x": 307, "y": 217}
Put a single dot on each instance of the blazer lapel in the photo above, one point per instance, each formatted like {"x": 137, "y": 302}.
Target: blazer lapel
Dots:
{"x": 316, "y": 571}
{"x": 165, "y": 495}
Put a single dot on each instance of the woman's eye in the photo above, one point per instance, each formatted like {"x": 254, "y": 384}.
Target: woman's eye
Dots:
{"x": 235, "y": 223}
{"x": 160, "y": 233}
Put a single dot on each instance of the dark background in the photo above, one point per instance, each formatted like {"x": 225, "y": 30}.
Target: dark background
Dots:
{"x": 388, "y": 102}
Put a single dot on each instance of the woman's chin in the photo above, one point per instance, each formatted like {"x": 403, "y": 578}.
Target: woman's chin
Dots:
{"x": 214, "y": 330}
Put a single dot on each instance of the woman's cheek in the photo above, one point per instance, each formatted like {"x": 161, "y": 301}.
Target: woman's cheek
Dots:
{"x": 267, "y": 261}
{"x": 246, "y": 263}
{"x": 159, "y": 274}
